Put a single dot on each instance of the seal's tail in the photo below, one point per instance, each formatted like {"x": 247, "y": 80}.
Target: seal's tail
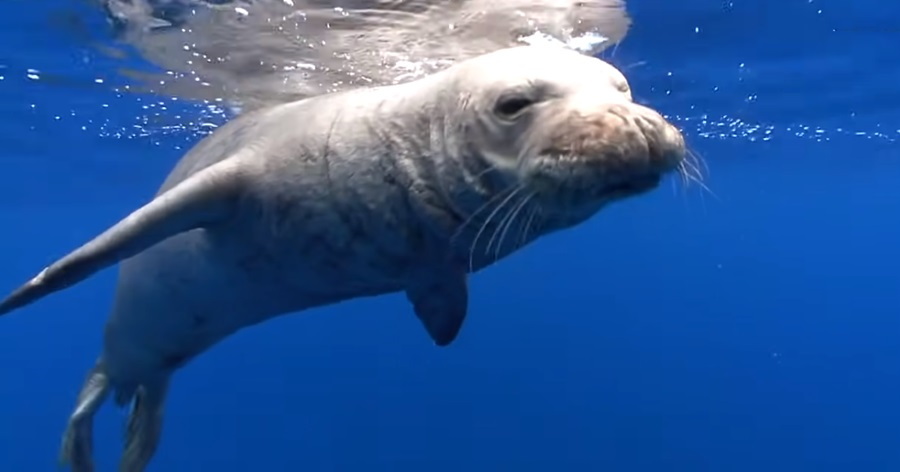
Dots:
{"x": 142, "y": 432}
{"x": 77, "y": 444}
{"x": 144, "y": 426}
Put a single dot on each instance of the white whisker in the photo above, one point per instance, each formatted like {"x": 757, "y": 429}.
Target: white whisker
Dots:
{"x": 525, "y": 231}
{"x": 485, "y": 224}
{"x": 509, "y": 222}
{"x": 481, "y": 208}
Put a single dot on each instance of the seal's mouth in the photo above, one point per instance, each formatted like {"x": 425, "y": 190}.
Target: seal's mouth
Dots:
{"x": 571, "y": 177}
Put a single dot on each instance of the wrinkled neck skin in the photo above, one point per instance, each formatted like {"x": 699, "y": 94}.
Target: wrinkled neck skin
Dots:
{"x": 477, "y": 213}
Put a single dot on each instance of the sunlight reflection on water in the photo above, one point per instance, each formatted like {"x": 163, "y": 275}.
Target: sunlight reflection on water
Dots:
{"x": 190, "y": 42}
{"x": 265, "y": 51}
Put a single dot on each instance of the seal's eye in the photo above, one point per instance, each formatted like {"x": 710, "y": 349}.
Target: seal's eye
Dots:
{"x": 510, "y": 106}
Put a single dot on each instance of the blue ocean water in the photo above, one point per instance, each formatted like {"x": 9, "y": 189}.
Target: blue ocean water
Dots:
{"x": 753, "y": 327}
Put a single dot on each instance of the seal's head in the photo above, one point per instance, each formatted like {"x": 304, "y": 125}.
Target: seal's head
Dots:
{"x": 562, "y": 127}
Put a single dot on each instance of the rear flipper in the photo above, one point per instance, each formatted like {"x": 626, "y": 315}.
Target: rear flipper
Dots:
{"x": 77, "y": 444}
{"x": 144, "y": 427}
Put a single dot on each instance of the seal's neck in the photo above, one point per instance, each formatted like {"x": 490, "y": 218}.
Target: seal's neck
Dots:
{"x": 467, "y": 206}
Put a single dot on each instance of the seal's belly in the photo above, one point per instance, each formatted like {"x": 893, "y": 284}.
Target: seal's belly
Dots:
{"x": 187, "y": 293}
{"x": 295, "y": 242}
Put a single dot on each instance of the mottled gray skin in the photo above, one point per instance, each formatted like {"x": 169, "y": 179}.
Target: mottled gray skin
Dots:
{"x": 372, "y": 191}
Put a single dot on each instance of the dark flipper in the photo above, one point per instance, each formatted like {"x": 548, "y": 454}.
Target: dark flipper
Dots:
{"x": 78, "y": 440}
{"x": 441, "y": 301}
{"x": 144, "y": 427}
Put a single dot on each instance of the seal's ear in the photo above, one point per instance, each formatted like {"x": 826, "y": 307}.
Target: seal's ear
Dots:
{"x": 200, "y": 200}
{"x": 441, "y": 301}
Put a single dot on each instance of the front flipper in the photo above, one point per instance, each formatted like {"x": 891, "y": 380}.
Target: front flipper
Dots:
{"x": 441, "y": 300}
{"x": 202, "y": 199}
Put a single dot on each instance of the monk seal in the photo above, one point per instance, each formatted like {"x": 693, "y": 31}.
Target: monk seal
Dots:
{"x": 408, "y": 187}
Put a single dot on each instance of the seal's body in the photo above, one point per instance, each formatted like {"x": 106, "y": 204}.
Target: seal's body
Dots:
{"x": 371, "y": 191}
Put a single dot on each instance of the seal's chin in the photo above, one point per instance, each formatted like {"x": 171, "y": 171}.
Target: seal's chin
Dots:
{"x": 629, "y": 186}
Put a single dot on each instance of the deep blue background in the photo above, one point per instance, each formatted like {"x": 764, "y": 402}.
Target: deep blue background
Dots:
{"x": 752, "y": 329}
